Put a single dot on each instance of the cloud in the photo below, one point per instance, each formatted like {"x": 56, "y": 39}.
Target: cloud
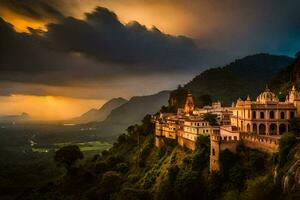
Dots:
{"x": 97, "y": 50}
{"x": 102, "y": 36}
{"x": 36, "y": 9}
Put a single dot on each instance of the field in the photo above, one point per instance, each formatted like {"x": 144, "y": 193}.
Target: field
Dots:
{"x": 85, "y": 147}
{"x": 27, "y": 152}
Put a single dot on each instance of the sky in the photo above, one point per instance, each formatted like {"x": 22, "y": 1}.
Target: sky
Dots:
{"x": 60, "y": 58}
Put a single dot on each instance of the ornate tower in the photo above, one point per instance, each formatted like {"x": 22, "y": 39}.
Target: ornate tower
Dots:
{"x": 189, "y": 104}
{"x": 294, "y": 97}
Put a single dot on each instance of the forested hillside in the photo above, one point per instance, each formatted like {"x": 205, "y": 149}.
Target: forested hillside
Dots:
{"x": 135, "y": 169}
{"x": 245, "y": 76}
{"x": 287, "y": 77}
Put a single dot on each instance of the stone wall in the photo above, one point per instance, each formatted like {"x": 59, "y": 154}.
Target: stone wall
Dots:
{"x": 262, "y": 143}
{"x": 186, "y": 143}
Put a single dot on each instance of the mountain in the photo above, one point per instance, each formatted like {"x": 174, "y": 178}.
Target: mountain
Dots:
{"x": 130, "y": 113}
{"x": 15, "y": 118}
{"x": 137, "y": 107}
{"x": 246, "y": 76}
{"x": 101, "y": 113}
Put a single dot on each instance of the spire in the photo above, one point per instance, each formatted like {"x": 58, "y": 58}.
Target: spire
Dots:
{"x": 293, "y": 88}
{"x": 267, "y": 88}
{"x": 248, "y": 98}
{"x": 189, "y": 103}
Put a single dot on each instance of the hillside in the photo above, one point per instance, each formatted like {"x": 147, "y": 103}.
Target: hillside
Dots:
{"x": 129, "y": 171}
{"x": 246, "y": 76}
{"x": 287, "y": 77}
{"x": 101, "y": 113}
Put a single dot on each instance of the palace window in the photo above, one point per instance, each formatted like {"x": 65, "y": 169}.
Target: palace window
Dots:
{"x": 271, "y": 114}
{"x": 253, "y": 114}
{"x": 282, "y": 115}
{"x": 262, "y": 115}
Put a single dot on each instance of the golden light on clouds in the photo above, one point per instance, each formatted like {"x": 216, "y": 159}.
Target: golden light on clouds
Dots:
{"x": 21, "y": 22}
{"x": 47, "y": 107}
{"x": 161, "y": 15}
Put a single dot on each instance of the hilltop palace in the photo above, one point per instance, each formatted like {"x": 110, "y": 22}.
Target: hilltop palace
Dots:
{"x": 258, "y": 124}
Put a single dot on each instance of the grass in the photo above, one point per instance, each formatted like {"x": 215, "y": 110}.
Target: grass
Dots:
{"x": 85, "y": 147}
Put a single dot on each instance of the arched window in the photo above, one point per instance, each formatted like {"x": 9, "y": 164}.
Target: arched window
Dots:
{"x": 282, "y": 115}
{"x": 254, "y": 128}
{"x": 271, "y": 114}
{"x": 262, "y": 129}
{"x": 248, "y": 127}
{"x": 262, "y": 115}
{"x": 273, "y": 129}
{"x": 253, "y": 114}
{"x": 213, "y": 152}
{"x": 282, "y": 129}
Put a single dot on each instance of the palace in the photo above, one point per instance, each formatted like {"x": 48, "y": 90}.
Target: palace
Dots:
{"x": 259, "y": 124}
{"x": 188, "y": 123}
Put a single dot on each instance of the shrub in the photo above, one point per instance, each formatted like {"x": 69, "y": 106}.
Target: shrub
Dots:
{"x": 68, "y": 155}
{"x": 172, "y": 173}
{"x": 286, "y": 142}
{"x": 101, "y": 167}
{"x": 111, "y": 183}
{"x": 189, "y": 185}
{"x": 134, "y": 194}
{"x": 257, "y": 161}
{"x": 122, "y": 167}
{"x": 261, "y": 188}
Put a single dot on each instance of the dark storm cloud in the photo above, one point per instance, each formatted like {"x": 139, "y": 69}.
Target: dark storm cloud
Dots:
{"x": 75, "y": 51}
{"x": 36, "y": 9}
{"x": 103, "y": 37}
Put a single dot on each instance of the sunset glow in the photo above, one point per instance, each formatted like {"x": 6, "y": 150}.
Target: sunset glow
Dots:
{"x": 47, "y": 107}
{"x": 21, "y": 23}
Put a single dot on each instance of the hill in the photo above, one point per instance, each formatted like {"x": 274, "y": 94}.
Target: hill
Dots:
{"x": 286, "y": 78}
{"x": 24, "y": 117}
{"x": 131, "y": 112}
{"x": 245, "y": 76}
{"x": 137, "y": 107}
{"x": 134, "y": 169}
{"x": 101, "y": 113}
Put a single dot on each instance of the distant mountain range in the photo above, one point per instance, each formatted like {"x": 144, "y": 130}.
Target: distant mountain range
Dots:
{"x": 246, "y": 76}
{"x": 97, "y": 115}
{"x": 23, "y": 117}
{"x": 129, "y": 113}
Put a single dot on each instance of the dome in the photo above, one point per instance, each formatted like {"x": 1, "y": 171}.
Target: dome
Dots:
{"x": 267, "y": 96}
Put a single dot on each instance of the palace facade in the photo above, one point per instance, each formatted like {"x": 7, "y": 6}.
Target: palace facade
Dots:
{"x": 265, "y": 116}
{"x": 187, "y": 124}
{"x": 259, "y": 124}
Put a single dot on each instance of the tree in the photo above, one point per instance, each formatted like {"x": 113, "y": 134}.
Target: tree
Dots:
{"x": 204, "y": 100}
{"x": 211, "y": 118}
{"x": 111, "y": 183}
{"x": 68, "y": 155}
{"x": 286, "y": 142}
{"x": 295, "y": 126}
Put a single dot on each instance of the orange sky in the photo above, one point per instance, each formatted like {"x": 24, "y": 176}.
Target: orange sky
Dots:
{"x": 47, "y": 107}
